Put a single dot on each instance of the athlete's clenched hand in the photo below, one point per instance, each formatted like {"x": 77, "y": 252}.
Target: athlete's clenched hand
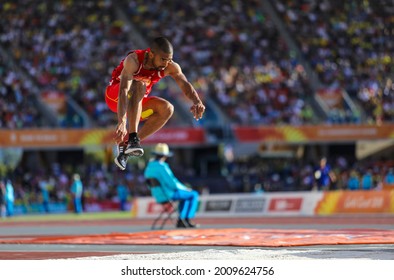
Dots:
{"x": 197, "y": 110}
{"x": 120, "y": 132}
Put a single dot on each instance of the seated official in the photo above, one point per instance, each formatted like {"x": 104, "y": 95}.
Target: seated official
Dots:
{"x": 172, "y": 188}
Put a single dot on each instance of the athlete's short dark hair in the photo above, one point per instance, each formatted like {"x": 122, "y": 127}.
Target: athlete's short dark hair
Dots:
{"x": 162, "y": 44}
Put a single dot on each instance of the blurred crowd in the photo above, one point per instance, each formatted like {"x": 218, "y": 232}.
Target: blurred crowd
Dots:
{"x": 66, "y": 46}
{"x": 339, "y": 173}
{"x": 72, "y": 46}
{"x": 56, "y": 184}
{"x": 230, "y": 50}
{"x": 254, "y": 174}
{"x": 17, "y": 109}
{"x": 232, "y": 53}
{"x": 350, "y": 45}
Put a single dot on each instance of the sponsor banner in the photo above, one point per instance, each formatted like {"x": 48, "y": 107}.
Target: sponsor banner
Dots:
{"x": 155, "y": 208}
{"x": 241, "y": 205}
{"x": 58, "y": 138}
{"x": 218, "y": 205}
{"x": 144, "y": 209}
{"x": 248, "y": 205}
{"x": 178, "y": 136}
{"x": 321, "y": 133}
{"x": 292, "y": 203}
{"x": 285, "y": 204}
{"x": 66, "y": 138}
{"x": 351, "y": 202}
{"x": 77, "y": 138}
{"x": 386, "y": 186}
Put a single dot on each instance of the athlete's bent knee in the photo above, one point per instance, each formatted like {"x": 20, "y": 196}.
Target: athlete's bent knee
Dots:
{"x": 170, "y": 109}
{"x": 166, "y": 110}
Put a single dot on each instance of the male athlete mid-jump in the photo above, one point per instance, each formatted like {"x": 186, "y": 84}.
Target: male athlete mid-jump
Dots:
{"x": 127, "y": 95}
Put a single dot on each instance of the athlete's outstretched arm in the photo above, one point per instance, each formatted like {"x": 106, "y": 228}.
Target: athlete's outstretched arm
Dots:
{"x": 198, "y": 108}
{"x": 130, "y": 66}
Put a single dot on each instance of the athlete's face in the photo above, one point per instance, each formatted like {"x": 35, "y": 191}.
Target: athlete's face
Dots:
{"x": 160, "y": 60}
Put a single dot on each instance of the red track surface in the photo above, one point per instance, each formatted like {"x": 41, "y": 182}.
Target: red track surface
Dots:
{"x": 333, "y": 220}
{"x": 221, "y": 237}
{"x": 206, "y": 237}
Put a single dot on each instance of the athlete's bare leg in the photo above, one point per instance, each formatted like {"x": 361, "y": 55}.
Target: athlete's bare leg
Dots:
{"x": 134, "y": 109}
{"x": 162, "y": 112}
{"x": 155, "y": 112}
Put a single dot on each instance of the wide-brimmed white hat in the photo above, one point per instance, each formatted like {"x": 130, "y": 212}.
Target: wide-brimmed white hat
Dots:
{"x": 162, "y": 149}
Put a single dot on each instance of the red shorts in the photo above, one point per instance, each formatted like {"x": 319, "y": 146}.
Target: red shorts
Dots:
{"x": 112, "y": 96}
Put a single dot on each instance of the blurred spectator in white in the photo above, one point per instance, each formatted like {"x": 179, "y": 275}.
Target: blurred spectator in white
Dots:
{"x": 324, "y": 175}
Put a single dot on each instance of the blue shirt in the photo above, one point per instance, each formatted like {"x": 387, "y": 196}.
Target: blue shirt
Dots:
{"x": 324, "y": 179}
{"x": 390, "y": 178}
{"x": 122, "y": 192}
{"x": 44, "y": 191}
{"x": 9, "y": 192}
{"x": 76, "y": 188}
{"x": 170, "y": 184}
{"x": 353, "y": 183}
{"x": 367, "y": 182}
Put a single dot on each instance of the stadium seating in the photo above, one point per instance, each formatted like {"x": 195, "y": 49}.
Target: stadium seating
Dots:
{"x": 349, "y": 44}
{"x": 231, "y": 51}
{"x": 234, "y": 54}
{"x": 17, "y": 103}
